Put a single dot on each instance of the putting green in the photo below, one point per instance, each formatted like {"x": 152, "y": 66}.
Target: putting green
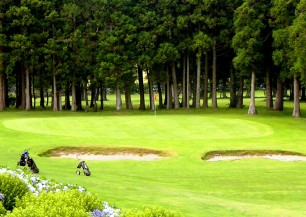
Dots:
{"x": 143, "y": 127}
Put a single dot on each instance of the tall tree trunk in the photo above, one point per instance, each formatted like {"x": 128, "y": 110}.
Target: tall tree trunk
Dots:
{"x": 233, "y": 97}
{"x": 214, "y": 79}
{"x": 184, "y": 100}
{"x": 27, "y": 90}
{"x": 78, "y": 95}
{"x": 18, "y": 91}
{"x": 175, "y": 91}
{"x": 94, "y": 97}
{"x": 296, "y": 97}
{"x": 279, "y": 98}
{"x": 252, "y": 108}
{"x": 142, "y": 105}
{"x": 59, "y": 97}
{"x": 127, "y": 94}
{"x": 118, "y": 99}
{"x": 33, "y": 91}
{"x": 269, "y": 98}
{"x": 194, "y": 90}
{"x": 86, "y": 96}
{"x": 198, "y": 86}
{"x": 2, "y": 92}
{"x": 160, "y": 96}
{"x": 103, "y": 95}
{"x": 67, "y": 97}
{"x": 205, "y": 86}
{"x": 187, "y": 81}
{"x": 168, "y": 94}
{"x": 240, "y": 93}
{"x": 41, "y": 92}
{"x": 47, "y": 98}
{"x": 55, "y": 102}
{"x": 22, "y": 89}
{"x": 150, "y": 91}
{"x": 93, "y": 89}
{"x": 73, "y": 96}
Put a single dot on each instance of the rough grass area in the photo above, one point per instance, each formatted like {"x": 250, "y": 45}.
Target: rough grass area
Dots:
{"x": 211, "y": 154}
{"x": 56, "y": 152}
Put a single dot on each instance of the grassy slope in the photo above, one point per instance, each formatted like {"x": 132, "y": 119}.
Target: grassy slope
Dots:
{"x": 251, "y": 187}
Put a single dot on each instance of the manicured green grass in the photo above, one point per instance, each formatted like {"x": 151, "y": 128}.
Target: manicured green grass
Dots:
{"x": 183, "y": 182}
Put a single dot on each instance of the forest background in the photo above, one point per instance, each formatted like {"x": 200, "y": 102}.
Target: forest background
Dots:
{"x": 187, "y": 50}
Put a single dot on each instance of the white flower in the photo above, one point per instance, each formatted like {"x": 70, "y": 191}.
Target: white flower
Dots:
{"x": 81, "y": 189}
{"x": 33, "y": 179}
{"x": 39, "y": 186}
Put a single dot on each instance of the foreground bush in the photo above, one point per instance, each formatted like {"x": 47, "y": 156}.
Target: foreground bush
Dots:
{"x": 2, "y": 209}
{"x": 28, "y": 195}
{"x": 12, "y": 188}
{"x": 70, "y": 203}
{"x": 151, "y": 211}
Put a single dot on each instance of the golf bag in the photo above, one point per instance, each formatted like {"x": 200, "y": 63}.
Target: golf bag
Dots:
{"x": 85, "y": 168}
{"x": 25, "y": 159}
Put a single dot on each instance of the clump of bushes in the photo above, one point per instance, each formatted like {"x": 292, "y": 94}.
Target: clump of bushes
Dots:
{"x": 25, "y": 194}
{"x": 70, "y": 203}
{"x": 12, "y": 188}
{"x": 2, "y": 209}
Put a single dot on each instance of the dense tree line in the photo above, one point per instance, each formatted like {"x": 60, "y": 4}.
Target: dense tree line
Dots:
{"x": 188, "y": 50}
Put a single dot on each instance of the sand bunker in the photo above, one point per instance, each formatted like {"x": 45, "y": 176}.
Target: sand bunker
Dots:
{"x": 147, "y": 157}
{"x": 271, "y": 157}
{"x": 106, "y": 153}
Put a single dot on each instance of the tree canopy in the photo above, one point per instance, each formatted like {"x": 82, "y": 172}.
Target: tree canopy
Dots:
{"x": 186, "y": 49}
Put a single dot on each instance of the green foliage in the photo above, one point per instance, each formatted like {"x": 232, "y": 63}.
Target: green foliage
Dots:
{"x": 150, "y": 211}
{"x": 12, "y": 188}
{"x": 2, "y": 209}
{"x": 70, "y": 203}
{"x": 167, "y": 52}
{"x": 282, "y": 16}
{"x": 297, "y": 39}
{"x": 248, "y": 41}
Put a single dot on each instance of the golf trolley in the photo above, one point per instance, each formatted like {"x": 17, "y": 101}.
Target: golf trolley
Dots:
{"x": 26, "y": 159}
{"x": 85, "y": 168}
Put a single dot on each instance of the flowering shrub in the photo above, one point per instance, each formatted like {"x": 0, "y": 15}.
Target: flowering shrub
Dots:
{"x": 106, "y": 211}
{"x": 11, "y": 188}
{"x": 2, "y": 209}
{"x": 28, "y": 195}
{"x": 67, "y": 200}
{"x": 37, "y": 185}
{"x": 70, "y": 203}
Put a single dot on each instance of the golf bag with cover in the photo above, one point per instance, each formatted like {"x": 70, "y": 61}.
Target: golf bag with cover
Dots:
{"x": 25, "y": 159}
{"x": 85, "y": 168}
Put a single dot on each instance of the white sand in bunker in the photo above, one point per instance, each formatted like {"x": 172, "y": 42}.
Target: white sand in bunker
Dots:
{"x": 146, "y": 157}
{"x": 271, "y": 157}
